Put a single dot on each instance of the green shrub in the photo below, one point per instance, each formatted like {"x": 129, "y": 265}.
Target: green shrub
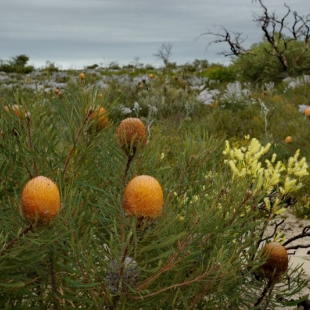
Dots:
{"x": 259, "y": 66}
{"x": 16, "y": 65}
{"x": 203, "y": 252}
{"x": 220, "y": 73}
{"x": 95, "y": 256}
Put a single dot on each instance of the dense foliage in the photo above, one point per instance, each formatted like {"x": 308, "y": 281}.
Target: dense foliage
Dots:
{"x": 205, "y": 250}
{"x": 259, "y": 66}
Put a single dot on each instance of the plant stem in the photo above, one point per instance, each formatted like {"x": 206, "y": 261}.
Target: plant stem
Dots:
{"x": 30, "y": 143}
{"x": 84, "y": 274}
{"x": 11, "y": 244}
{"x": 267, "y": 288}
{"x": 53, "y": 278}
{"x": 129, "y": 160}
{"x": 76, "y": 140}
{"x": 173, "y": 286}
{"x": 122, "y": 268}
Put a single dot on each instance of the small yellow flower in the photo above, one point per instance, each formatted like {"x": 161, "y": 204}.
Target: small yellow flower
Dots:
{"x": 195, "y": 198}
{"x": 181, "y": 218}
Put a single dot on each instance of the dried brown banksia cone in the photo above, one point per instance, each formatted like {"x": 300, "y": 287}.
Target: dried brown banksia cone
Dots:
{"x": 130, "y": 133}
{"x": 277, "y": 261}
{"x": 143, "y": 197}
{"x": 130, "y": 276}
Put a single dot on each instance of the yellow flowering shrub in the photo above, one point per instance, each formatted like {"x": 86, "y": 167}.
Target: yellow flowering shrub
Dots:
{"x": 273, "y": 179}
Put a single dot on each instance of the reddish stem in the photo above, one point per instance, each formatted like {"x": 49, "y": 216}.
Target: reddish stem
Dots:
{"x": 30, "y": 143}
{"x": 11, "y": 244}
{"x": 76, "y": 140}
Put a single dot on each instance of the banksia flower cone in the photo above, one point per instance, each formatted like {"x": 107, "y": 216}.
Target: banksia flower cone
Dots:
{"x": 288, "y": 139}
{"x": 40, "y": 195}
{"x": 99, "y": 115}
{"x": 307, "y": 112}
{"x": 143, "y": 197}
{"x": 131, "y": 132}
{"x": 19, "y": 112}
{"x": 277, "y": 261}
{"x": 130, "y": 276}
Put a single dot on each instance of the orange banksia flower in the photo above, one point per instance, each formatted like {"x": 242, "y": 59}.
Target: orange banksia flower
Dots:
{"x": 16, "y": 109}
{"x": 100, "y": 115}
{"x": 40, "y": 196}
{"x": 307, "y": 112}
{"x": 288, "y": 139}
{"x": 143, "y": 197}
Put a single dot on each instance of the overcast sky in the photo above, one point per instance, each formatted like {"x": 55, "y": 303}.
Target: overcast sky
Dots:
{"x": 77, "y": 33}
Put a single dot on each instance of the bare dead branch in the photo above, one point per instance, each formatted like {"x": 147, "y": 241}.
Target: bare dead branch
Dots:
{"x": 303, "y": 234}
{"x": 235, "y": 43}
{"x": 274, "y": 231}
{"x": 164, "y": 52}
{"x": 275, "y": 31}
{"x": 298, "y": 246}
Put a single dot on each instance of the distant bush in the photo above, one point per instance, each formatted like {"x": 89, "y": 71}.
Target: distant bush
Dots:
{"x": 17, "y": 64}
{"x": 94, "y": 66}
{"x": 195, "y": 66}
{"x": 114, "y": 65}
{"x": 50, "y": 67}
{"x": 149, "y": 67}
{"x": 220, "y": 73}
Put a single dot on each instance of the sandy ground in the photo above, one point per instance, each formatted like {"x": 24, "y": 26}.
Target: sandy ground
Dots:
{"x": 292, "y": 227}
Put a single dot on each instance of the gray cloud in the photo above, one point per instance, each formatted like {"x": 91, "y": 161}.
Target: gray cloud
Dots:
{"x": 82, "y": 32}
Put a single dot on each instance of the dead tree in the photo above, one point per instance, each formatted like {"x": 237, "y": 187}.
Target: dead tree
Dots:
{"x": 164, "y": 53}
{"x": 235, "y": 43}
{"x": 277, "y": 32}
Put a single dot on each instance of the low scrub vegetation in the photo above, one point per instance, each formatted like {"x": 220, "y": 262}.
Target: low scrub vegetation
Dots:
{"x": 166, "y": 210}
